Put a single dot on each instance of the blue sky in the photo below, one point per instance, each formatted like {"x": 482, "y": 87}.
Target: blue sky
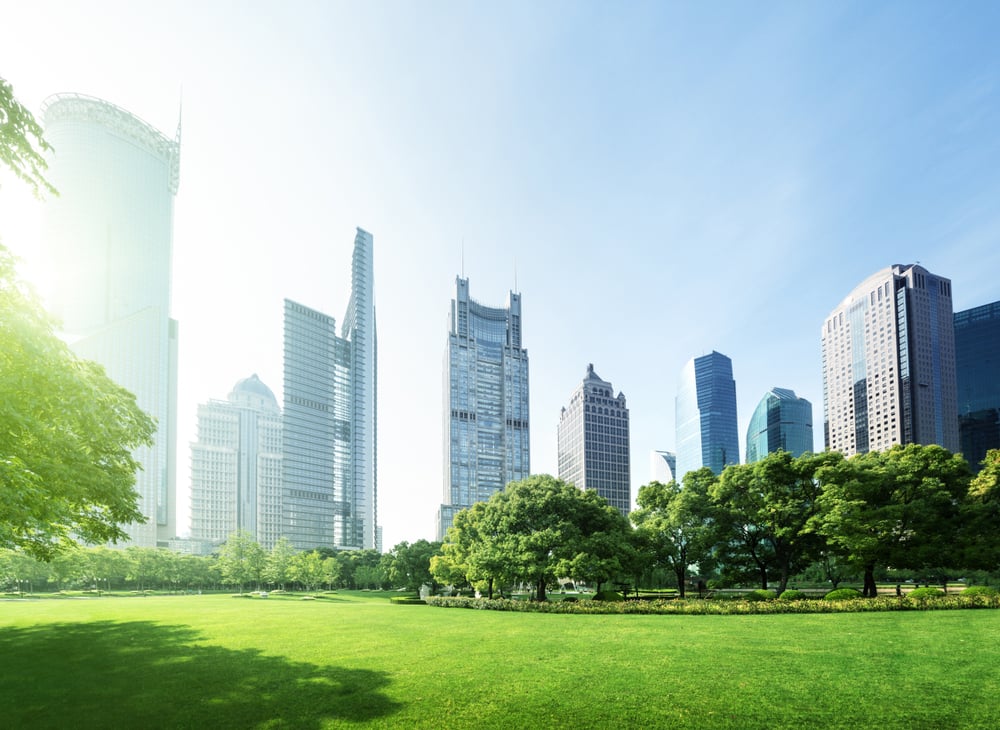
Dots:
{"x": 664, "y": 178}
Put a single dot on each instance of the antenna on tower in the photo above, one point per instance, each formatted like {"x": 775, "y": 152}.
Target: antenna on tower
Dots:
{"x": 463, "y": 257}
{"x": 515, "y": 274}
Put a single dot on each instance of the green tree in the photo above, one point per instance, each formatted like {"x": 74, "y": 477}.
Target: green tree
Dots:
{"x": 367, "y": 576}
{"x": 472, "y": 547}
{"x": 21, "y": 142}
{"x": 409, "y": 566}
{"x": 676, "y": 523}
{"x": 242, "y": 560}
{"x": 69, "y": 432}
{"x": 899, "y": 507}
{"x": 279, "y": 563}
{"x": 308, "y": 569}
{"x": 980, "y": 536}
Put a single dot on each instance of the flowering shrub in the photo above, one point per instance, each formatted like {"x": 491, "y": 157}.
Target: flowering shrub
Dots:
{"x": 721, "y": 608}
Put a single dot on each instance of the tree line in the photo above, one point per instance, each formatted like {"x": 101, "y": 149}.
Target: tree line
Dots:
{"x": 912, "y": 508}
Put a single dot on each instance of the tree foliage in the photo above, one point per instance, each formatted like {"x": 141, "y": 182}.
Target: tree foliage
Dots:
{"x": 66, "y": 464}
{"x": 409, "y": 566}
{"x": 21, "y": 142}
{"x": 242, "y": 560}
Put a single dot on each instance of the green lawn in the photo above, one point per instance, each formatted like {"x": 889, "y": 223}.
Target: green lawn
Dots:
{"x": 355, "y": 660}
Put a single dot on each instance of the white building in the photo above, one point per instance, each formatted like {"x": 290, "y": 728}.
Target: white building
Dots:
{"x": 236, "y": 466}
{"x": 889, "y": 364}
{"x": 108, "y": 238}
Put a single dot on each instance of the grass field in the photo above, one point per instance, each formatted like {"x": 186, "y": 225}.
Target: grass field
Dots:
{"x": 356, "y": 661}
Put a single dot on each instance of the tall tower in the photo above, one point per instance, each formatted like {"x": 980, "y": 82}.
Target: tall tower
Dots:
{"x": 977, "y": 365}
{"x": 236, "y": 466}
{"x": 329, "y": 433}
{"x": 108, "y": 238}
{"x": 782, "y": 421}
{"x": 705, "y": 413}
{"x": 889, "y": 364}
{"x": 486, "y": 441}
{"x": 594, "y": 443}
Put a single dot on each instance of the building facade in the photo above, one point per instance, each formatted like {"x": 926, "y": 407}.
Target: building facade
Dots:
{"x": 236, "y": 466}
{"x": 781, "y": 422}
{"x": 977, "y": 371}
{"x": 593, "y": 441}
{"x": 663, "y": 467}
{"x": 108, "y": 237}
{"x": 705, "y": 411}
{"x": 486, "y": 425}
{"x": 889, "y": 364}
{"x": 329, "y": 487}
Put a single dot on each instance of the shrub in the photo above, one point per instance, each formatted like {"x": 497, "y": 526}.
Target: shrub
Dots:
{"x": 569, "y": 599}
{"x": 407, "y": 601}
{"x": 793, "y": 595}
{"x": 609, "y": 596}
{"x": 925, "y": 592}
{"x": 980, "y": 591}
{"x": 842, "y": 594}
{"x": 760, "y": 595}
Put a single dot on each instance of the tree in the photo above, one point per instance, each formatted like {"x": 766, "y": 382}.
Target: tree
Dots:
{"x": 279, "y": 562}
{"x": 980, "y": 535}
{"x": 308, "y": 569}
{"x": 66, "y": 464}
{"x": 896, "y": 508}
{"x": 409, "y": 566}
{"x": 676, "y": 523}
{"x": 472, "y": 547}
{"x": 242, "y": 560}
{"x": 21, "y": 142}
{"x": 767, "y": 505}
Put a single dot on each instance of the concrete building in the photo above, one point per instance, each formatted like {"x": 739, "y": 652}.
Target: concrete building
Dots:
{"x": 329, "y": 488}
{"x": 486, "y": 425}
{"x": 705, "y": 412}
{"x": 593, "y": 439}
{"x": 108, "y": 237}
{"x": 781, "y": 422}
{"x": 236, "y": 466}
{"x": 889, "y": 364}
{"x": 977, "y": 371}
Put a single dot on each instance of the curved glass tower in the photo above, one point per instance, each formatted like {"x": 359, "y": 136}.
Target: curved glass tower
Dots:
{"x": 782, "y": 421}
{"x": 486, "y": 441}
{"x": 705, "y": 410}
{"x": 108, "y": 238}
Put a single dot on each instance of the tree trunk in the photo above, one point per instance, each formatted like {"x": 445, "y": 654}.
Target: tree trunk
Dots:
{"x": 489, "y": 590}
{"x": 870, "y": 589}
{"x": 540, "y": 593}
{"x": 681, "y": 573}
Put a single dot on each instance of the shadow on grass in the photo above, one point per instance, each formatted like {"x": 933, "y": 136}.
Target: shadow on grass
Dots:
{"x": 143, "y": 674}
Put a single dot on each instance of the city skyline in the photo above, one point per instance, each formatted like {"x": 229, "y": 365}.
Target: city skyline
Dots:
{"x": 660, "y": 181}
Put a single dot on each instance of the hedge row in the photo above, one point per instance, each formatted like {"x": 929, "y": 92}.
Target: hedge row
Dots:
{"x": 735, "y": 607}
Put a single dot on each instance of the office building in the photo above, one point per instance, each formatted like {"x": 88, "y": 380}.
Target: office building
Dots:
{"x": 977, "y": 371}
{"x": 663, "y": 467}
{"x": 889, "y": 364}
{"x": 108, "y": 238}
{"x": 486, "y": 442}
{"x": 593, "y": 441}
{"x": 781, "y": 422}
{"x": 329, "y": 487}
{"x": 705, "y": 412}
{"x": 236, "y": 466}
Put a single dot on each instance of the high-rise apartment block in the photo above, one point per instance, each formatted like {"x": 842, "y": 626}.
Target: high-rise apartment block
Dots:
{"x": 486, "y": 442}
{"x": 889, "y": 364}
{"x": 977, "y": 368}
{"x": 108, "y": 237}
{"x": 781, "y": 422}
{"x": 329, "y": 434}
{"x": 236, "y": 466}
{"x": 705, "y": 412}
{"x": 593, "y": 438}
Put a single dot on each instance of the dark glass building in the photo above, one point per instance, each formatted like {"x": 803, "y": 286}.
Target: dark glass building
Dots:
{"x": 977, "y": 364}
{"x": 782, "y": 421}
{"x": 707, "y": 431}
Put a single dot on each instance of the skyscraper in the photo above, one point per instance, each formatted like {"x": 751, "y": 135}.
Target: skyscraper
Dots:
{"x": 889, "y": 364}
{"x": 782, "y": 421}
{"x": 593, "y": 441}
{"x": 108, "y": 238}
{"x": 486, "y": 441}
{"x": 977, "y": 370}
{"x": 705, "y": 413}
{"x": 236, "y": 466}
{"x": 663, "y": 467}
{"x": 329, "y": 485}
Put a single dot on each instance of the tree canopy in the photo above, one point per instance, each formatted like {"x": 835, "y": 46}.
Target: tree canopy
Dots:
{"x": 21, "y": 142}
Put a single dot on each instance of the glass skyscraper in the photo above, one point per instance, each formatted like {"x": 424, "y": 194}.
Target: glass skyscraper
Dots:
{"x": 782, "y": 421}
{"x": 593, "y": 438}
{"x": 889, "y": 364}
{"x": 329, "y": 485}
{"x": 236, "y": 466}
{"x": 705, "y": 411}
{"x": 486, "y": 442}
{"x": 977, "y": 369}
{"x": 108, "y": 237}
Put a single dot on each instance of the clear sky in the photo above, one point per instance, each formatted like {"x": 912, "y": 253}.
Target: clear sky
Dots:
{"x": 663, "y": 179}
